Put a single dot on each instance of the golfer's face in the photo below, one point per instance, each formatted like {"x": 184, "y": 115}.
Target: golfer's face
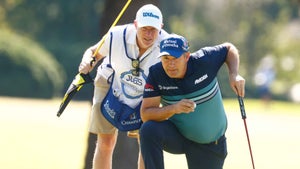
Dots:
{"x": 146, "y": 36}
{"x": 175, "y": 67}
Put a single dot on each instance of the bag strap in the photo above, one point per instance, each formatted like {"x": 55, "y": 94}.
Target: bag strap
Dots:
{"x": 110, "y": 50}
{"x": 111, "y": 77}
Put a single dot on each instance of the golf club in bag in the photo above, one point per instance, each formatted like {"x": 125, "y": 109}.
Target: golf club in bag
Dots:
{"x": 81, "y": 79}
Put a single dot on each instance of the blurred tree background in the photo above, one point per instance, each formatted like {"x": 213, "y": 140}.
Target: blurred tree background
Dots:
{"x": 42, "y": 42}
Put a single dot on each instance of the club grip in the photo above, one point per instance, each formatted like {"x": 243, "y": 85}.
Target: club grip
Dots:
{"x": 93, "y": 60}
{"x": 242, "y": 107}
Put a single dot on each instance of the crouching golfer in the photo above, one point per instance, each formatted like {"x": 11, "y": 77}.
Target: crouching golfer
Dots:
{"x": 182, "y": 107}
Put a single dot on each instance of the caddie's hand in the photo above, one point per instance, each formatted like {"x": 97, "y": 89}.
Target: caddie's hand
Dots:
{"x": 85, "y": 66}
{"x": 237, "y": 84}
{"x": 185, "y": 106}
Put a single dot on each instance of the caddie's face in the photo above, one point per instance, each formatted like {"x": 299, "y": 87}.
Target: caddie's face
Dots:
{"x": 175, "y": 67}
{"x": 146, "y": 36}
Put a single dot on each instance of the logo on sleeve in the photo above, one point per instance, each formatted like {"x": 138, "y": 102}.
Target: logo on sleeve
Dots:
{"x": 149, "y": 88}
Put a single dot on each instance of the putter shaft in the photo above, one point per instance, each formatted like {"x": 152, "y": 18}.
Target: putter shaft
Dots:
{"x": 243, "y": 113}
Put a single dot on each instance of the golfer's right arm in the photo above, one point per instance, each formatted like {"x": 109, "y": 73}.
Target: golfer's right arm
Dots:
{"x": 151, "y": 110}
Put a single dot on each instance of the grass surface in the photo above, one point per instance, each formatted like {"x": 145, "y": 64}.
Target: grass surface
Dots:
{"x": 32, "y": 137}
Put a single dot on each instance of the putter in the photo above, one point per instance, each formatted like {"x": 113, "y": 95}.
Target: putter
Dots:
{"x": 81, "y": 79}
{"x": 243, "y": 113}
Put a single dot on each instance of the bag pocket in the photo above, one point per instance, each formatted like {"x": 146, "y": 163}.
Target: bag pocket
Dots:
{"x": 119, "y": 114}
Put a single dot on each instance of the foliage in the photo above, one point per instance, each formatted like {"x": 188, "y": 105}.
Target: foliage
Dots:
{"x": 258, "y": 28}
{"x": 64, "y": 28}
{"x": 28, "y": 68}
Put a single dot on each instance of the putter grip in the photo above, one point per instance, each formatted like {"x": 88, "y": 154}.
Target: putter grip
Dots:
{"x": 242, "y": 107}
{"x": 93, "y": 60}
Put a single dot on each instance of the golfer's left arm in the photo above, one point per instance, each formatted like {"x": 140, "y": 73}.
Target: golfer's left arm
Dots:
{"x": 151, "y": 109}
{"x": 237, "y": 82}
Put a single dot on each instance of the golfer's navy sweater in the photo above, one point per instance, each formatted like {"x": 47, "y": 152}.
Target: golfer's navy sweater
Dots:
{"x": 208, "y": 122}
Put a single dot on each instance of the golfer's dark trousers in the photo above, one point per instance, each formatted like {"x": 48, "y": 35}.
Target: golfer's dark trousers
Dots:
{"x": 158, "y": 136}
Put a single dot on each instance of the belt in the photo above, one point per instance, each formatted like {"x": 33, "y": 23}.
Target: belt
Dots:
{"x": 216, "y": 142}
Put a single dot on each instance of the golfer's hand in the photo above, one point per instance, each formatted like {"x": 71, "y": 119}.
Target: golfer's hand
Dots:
{"x": 237, "y": 84}
{"x": 85, "y": 66}
{"x": 185, "y": 106}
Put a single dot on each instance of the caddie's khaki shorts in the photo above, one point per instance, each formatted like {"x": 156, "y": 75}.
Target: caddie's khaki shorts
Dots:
{"x": 98, "y": 123}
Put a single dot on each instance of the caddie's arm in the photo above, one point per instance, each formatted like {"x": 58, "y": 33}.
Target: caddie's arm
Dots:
{"x": 237, "y": 82}
{"x": 151, "y": 110}
{"x": 85, "y": 66}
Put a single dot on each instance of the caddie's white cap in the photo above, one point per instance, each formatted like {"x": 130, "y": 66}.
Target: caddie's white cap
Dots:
{"x": 149, "y": 15}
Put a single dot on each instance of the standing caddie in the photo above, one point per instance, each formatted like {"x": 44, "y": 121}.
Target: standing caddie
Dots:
{"x": 128, "y": 51}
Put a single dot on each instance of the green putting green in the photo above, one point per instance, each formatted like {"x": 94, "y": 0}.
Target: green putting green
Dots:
{"x": 33, "y": 137}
